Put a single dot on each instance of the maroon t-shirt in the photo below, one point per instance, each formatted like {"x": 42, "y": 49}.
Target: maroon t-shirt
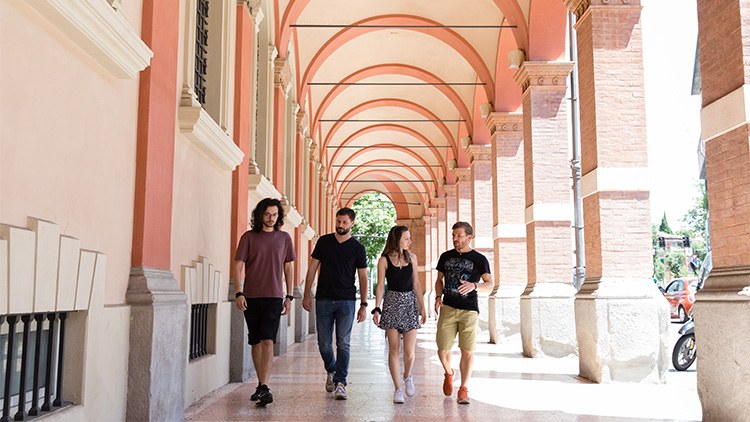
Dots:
{"x": 264, "y": 255}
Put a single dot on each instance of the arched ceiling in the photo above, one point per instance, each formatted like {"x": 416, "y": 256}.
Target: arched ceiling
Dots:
{"x": 390, "y": 87}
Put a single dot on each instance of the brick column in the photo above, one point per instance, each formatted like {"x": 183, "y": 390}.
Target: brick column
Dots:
{"x": 158, "y": 308}
{"x": 547, "y": 322}
{"x": 418, "y": 247}
{"x": 480, "y": 181}
{"x": 509, "y": 228}
{"x": 464, "y": 198}
{"x": 240, "y": 360}
{"x": 443, "y": 228}
{"x": 434, "y": 255}
{"x": 722, "y": 312}
{"x": 451, "y": 214}
{"x": 621, "y": 318}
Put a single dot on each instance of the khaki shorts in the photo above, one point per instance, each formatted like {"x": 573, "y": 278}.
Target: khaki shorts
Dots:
{"x": 454, "y": 321}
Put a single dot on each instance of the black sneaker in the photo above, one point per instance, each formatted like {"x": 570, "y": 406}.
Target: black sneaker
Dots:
{"x": 265, "y": 396}
{"x": 255, "y": 395}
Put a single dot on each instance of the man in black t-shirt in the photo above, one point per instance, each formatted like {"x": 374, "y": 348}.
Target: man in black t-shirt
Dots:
{"x": 339, "y": 256}
{"x": 460, "y": 271}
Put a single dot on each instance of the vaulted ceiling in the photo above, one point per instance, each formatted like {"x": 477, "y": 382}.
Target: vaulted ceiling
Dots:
{"x": 393, "y": 88}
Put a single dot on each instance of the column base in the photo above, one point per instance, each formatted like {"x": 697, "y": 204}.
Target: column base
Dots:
{"x": 505, "y": 313}
{"x": 722, "y": 315}
{"x": 158, "y": 346}
{"x": 547, "y": 321}
{"x": 240, "y": 358}
{"x": 622, "y": 328}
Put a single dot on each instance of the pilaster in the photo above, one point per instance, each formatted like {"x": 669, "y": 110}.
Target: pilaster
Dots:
{"x": 464, "y": 195}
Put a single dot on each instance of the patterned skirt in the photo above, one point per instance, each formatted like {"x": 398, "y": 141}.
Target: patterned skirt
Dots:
{"x": 400, "y": 311}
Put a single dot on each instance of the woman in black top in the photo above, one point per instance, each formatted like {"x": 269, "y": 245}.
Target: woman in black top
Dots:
{"x": 403, "y": 308}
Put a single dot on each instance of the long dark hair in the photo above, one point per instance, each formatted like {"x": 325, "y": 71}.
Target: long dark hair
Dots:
{"x": 393, "y": 243}
{"x": 257, "y": 217}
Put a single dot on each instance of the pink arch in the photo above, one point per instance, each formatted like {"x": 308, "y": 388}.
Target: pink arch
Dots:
{"x": 448, "y": 36}
{"x": 393, "y": 102}
{"x": 410, "y": 170}
{"x": 547, "y": 26}
{"x": 398, "y": 69}
{"x": 382, "y": 177}
{"x": 510, "y": 9}
{"x": 400, "y": 211}
{"x": 387, "y": 161}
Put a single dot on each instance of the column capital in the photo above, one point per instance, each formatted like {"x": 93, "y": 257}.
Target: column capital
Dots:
{"x": 580, "y": 7}
{"x": 417, "y": 222}
{"x": 440, "y": 202}
{"x": 462, "y": 174}
{"x": 253, "y": 7}
{"x": 282, "y": 75}
{"x": 431, "y": 212}
{"x": 450, "y": 189}
{"x": 543, "y": 75}
{"x": 504, "y": 122}
{"x": 479, "y": 153}
{"x": 301, "y": 122}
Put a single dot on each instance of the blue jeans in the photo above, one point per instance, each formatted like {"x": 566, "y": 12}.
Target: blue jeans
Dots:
{"x": 341, "y": 314}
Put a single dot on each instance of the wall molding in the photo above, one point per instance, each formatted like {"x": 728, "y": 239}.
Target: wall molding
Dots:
{"x": 199, "y": 127}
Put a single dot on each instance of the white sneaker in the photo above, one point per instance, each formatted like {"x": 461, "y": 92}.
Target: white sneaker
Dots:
{"x": 411, "y": 390}
{"x": 340, "y": 391}
{"x": 398, "y": 396}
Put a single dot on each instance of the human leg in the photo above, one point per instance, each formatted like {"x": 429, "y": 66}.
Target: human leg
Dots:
{"x": 394, "y": 347}
{"x": 324, "y": 327}
{"x": 445, "y": 337}
{"x": 344, "y": 320}
{"x": 410, "y": 344}
{"x": 467, "y": 329}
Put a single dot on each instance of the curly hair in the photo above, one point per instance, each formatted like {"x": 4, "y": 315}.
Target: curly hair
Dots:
{"x": 393, "y": 243}
{"x": 257, "y": 218}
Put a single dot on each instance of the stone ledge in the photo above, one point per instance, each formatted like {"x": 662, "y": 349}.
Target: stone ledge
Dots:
{"x": 198, "y": 126}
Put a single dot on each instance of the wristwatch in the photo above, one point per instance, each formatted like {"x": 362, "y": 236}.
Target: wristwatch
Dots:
{"x": 290, "y": 297}
{"x": 363, "y": 304}
{"x": 238, "y": 294}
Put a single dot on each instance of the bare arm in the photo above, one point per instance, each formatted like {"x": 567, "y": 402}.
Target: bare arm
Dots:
{"x": 312, "y": 269}
{"x": 288, "y": 269}
{"x": 362, "y": 313}
{"x": 438, "y": 292}
{"x": 379, "y": 288}
{"x": 488, "y": 285}
{"x": 240, "y": 302}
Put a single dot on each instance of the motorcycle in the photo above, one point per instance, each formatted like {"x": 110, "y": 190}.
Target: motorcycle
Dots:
{"x": 684, "y": 352}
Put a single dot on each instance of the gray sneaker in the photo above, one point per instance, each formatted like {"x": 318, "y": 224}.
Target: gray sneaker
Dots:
{"x": 411, "y": 390}
{"x": 329, "y": 382}
{"x": 340, "y": 392}
{"x": 398, "y": 396}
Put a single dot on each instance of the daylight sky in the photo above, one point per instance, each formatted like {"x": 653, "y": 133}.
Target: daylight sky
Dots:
{"x": 670, "y": 32}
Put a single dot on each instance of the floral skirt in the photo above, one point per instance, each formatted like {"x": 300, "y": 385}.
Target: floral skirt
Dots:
{"x": 400, "y": 311}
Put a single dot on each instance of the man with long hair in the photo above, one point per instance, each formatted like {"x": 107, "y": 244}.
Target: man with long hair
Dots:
{"x": 402, "y": 306}
{"x": 339, "y": 256}
{"x": 460, "y": 271}
{"x": 264, "y": 252}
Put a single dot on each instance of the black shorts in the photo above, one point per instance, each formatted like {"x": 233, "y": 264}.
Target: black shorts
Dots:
{"x": 262, "y": 318}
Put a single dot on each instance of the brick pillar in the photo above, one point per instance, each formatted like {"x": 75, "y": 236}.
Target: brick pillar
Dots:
{"x": 722, "y": 310}
{"x": 443, "y": 235}
{"x": 464, "y": 198}
{"x": 434, "y": 255}
{"x": 509, "y": 228}
{"x": 240, "y": 360}
{"x": 621, "y": 318}
{"x": 547, "y": 320}
{"x": 158, "y": 307}
{"x": 480, "y": 181}
{"x": 419, "y": 248}
{"x": 451, "y": 214}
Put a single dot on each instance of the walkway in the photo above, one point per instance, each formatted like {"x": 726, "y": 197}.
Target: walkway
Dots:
{"x": 504, "y": 386}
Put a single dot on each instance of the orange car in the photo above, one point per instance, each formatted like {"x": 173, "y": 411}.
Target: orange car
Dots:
{"x": 680, "y": 294}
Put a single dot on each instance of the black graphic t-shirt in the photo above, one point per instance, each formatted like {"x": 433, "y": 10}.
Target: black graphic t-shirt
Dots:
{"x": 456, "y": 266}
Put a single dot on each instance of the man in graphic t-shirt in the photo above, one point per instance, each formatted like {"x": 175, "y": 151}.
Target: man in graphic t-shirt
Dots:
{"x": 264, "y": 251}
{"x": 460, "y": 271}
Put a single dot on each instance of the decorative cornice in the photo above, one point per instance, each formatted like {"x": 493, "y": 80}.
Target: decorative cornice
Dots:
{"x": 543, "y": 75}
{"x": 199, "y": 127}
{"x": 417, "y": 222}
{"x": 580, "y": 7}
{"x": 479, "y": 152}
{"x": 450, "y": 189}
{"x": 292, "y": 216}
{"x": 462, "y": 174}
{"x": 282, "y": 75}
{"x": 101, "y": 31}
{"x": 262, "y": 186}
{"x": 301, "y": 122}
{"x": 440, "y": 202}
{"x": 504, "y": 122}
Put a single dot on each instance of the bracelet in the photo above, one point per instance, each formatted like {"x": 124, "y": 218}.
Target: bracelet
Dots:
{"x": 290, "y": 297}
{"x": 238, "y": 294}
{"x": 363, "y": 304}
{"x": 377, "y": 309}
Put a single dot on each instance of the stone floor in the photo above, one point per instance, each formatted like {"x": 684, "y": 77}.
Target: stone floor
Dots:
{"x": 505, "y": 385}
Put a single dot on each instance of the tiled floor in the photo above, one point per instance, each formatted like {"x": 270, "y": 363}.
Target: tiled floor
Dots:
{"x": 505, "y": 386}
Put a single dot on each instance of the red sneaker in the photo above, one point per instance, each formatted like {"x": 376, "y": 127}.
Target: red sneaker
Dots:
{"x": 448, "y": 384}
{"x": 463, "y": 395}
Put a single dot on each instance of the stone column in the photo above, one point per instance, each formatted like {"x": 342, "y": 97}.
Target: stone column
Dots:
{"x": 509, "y": 229}
{"x": 547, "y": 319}
{"x": 159, "y": 312}
{"x": 464, "y": 198}
{"x": 451, "y": 214}
{"x": 282, "y": 80}
{"x": 621, "y": 318}
{"x": 722, "y": 310}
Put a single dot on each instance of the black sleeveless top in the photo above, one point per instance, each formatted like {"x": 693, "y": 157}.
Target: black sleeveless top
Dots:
{"x": 398, "y": 279}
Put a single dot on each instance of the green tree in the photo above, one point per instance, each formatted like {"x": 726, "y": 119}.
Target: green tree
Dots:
{"x": 664, "y": 226}
{"x": 375, "y": 217}
{"x": 697, "y": 216}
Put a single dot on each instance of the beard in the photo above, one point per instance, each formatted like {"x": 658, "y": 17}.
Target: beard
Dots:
{"x": 271, "y": 224}
{"x": 342, "y": 231}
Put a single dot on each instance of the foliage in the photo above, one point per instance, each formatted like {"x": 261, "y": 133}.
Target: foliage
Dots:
{"x": 675, "y": 261}
{"x": 664, "y": 226}
{"x": 375, "y": 217}
{"x": 697, "y": 216}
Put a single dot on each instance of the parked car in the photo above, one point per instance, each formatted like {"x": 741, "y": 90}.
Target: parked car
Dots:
{"x": 680, "y": 294}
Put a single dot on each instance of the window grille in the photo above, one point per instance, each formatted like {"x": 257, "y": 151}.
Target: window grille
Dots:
{"x": 198, "y": 330}
{"x": 31, "y": 364}
{"x": 201, "y": 49}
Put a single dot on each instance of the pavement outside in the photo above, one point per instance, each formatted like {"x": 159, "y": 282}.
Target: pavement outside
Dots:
{"x": 504, "y": 386}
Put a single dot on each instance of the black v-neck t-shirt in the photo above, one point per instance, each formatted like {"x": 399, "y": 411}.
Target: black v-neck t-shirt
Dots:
{"x": 338, "y": 265}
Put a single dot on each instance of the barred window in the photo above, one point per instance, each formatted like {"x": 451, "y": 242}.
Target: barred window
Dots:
{"x": 200, "y": 330}
{"x": 201, "y": 48}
